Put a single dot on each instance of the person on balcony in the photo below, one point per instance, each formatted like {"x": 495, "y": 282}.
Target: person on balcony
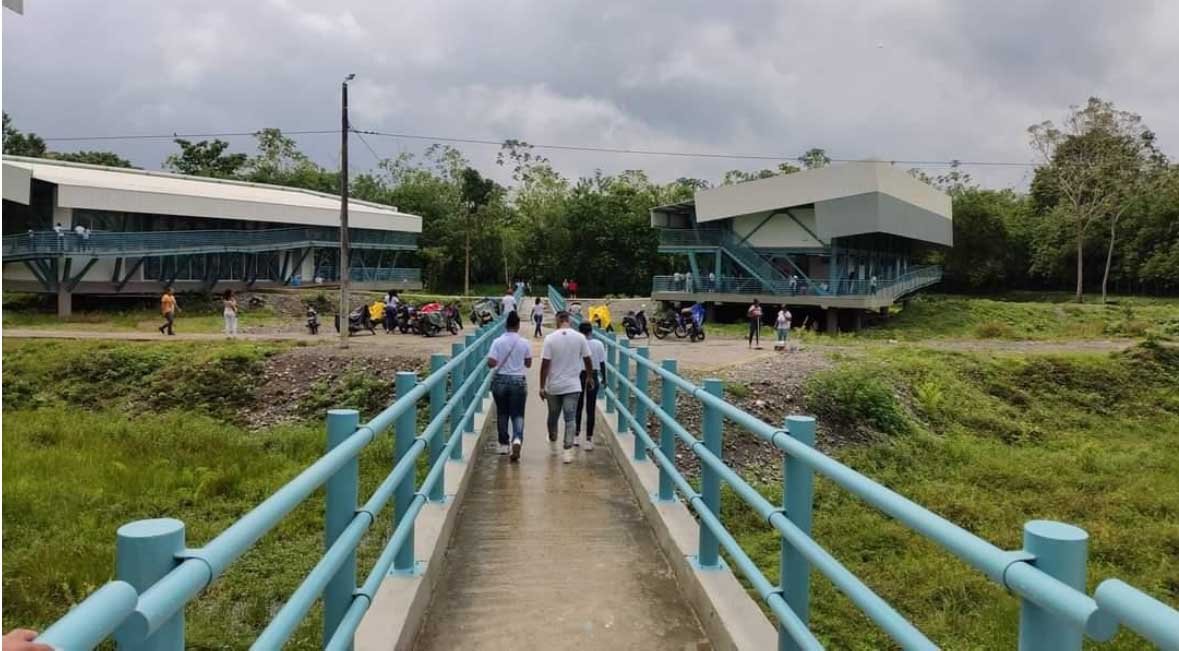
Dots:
{"x": 872, "y": 284}
{"x": 679, "y": 280}
{"x": 168, "y": 308}
{"x": 510, "y": 357}
{"x": 712, "y": 281}
{"x": 229, "y": 311}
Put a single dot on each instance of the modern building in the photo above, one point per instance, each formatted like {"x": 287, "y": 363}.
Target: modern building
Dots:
{"x": 144, "y": 231}
{"x": 843, "y": 238}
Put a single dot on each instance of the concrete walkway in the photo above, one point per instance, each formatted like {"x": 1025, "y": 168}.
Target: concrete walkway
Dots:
{"x": 555, "y": 556}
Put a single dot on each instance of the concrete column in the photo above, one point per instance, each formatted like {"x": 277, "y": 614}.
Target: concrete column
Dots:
{"x": 857, "y": 320}
{"x": 832, "y": 320}
{"x": 65, "y": 302}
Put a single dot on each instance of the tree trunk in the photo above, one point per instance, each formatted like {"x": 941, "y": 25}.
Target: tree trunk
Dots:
{"x": 467, "y": 266}
{"x": 1113, "y": 226}
{"x": 1080, "y": 264}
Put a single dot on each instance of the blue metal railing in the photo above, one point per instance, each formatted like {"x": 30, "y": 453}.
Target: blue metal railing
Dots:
{"x": 890, "y": 288}
{"x": 1047, "y": 575}
{"x": 140, "y": 243}
{"x": 157, "y": 574}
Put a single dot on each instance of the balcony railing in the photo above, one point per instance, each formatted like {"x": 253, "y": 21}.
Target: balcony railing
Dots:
{"x": 146, "y": 243}
{"x": 890, "y": 288}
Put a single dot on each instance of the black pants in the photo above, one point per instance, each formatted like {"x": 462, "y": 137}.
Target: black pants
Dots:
{"x": 754, "y": 330}
{"x": 588, "y": 400}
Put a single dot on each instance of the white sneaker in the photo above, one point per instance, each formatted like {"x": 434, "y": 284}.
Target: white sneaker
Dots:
{"x": 589, "y": 445}
{"x": 503, "y": 449}
{"x": 577, "y": 440}
{"x": 516, "y": 443}
{"x": 554, "y": 447}
{"x": 568, "y": 456}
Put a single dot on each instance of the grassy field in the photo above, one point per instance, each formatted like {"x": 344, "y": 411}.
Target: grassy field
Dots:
{"x": 202, "y": 319}
{"x": 1014, "y": 316}
{"x": 990, "y": 443}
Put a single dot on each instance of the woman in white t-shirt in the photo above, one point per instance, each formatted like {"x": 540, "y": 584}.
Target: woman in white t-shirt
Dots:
{"x": 783, "y": 325}
{"x": 537, "y": 317}
{"x": 511, "y": 357}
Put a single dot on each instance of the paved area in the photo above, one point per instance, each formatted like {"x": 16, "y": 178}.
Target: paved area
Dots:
{"x": 555, "y": 556}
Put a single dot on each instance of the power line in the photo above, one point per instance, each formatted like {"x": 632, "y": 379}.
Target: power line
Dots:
{"x": 372, "y": 151}
{"x": 556, "y": 147}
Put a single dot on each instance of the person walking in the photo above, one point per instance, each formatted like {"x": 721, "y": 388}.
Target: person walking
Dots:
{"x": 564, "y": 356}
{"x": 782, "y": 325}
{"x": 508, "y": 302}
{"x": 572, "y": 288}
{"x": 391, "y": 302}
{"x": 590, "y": 381}
{"x": 537, "y": 317}
{"x": 168, "y": 308}
{"x": 229, "y": 311}
{"x": 510, "y": 357}
{"x": 754, "y": 315}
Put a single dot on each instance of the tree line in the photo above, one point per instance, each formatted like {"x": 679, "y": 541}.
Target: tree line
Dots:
{"x": 1102, "y": 210}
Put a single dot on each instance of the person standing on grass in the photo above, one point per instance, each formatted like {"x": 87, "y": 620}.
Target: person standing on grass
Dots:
{"x": 537, "y": 317}
{"x": 510, "y": 357}
{"x": 168, "y": 308}
{"x": 783, "y": 326}
{"x": 754, "y": 315}
{"x": 564, "y": 357}
{"x": 590, "y": 381}
{"x": 229, "y": 302}
{"x": 508, "y": 302}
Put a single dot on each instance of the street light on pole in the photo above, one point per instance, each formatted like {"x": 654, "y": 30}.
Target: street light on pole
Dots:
{"x": 344, "y": 269}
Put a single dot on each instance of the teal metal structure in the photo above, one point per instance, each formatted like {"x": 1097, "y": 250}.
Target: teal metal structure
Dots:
{"x": 1047, "y": 575}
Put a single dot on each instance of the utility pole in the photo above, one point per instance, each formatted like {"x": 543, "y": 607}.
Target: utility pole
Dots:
{"x": 344, "y": 269}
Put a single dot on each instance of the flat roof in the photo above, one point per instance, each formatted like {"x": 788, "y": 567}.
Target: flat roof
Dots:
{"x": 98, "y": 187}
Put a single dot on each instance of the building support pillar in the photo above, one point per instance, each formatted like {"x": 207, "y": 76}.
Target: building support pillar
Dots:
{"x": 884, "y": 312}
{"x": 857, "y": 320}
{"x": 65, "y": 301}
{"x": 832, "y": 321}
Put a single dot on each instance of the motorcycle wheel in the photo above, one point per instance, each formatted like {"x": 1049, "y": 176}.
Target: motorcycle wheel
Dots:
{"x": 697, "y": 335}
{"x": 631, "y": 333}
{"x": 660, "y": 333}
{"x": 680, "y": 332}
{"x": 453, "y": 329}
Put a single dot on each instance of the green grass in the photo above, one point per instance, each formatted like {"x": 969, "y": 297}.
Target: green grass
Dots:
{"x": 140, "y": 320}
{"x": 937, "y": 316}
{"x": 990, "y": 443}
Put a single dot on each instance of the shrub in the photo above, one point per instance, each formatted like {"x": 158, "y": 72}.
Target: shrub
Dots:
{"x": 856, "y": 396}
{"x": 994, "y": 330}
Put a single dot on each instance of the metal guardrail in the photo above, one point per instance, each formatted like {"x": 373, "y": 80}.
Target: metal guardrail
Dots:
{"x": 158, "y": 575}
{"x": 1047, "y": 575}
{"x": 891, "y": 288}
{"x": 146, "y": 243}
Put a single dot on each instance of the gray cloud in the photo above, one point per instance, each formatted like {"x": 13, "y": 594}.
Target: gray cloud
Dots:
{"x": 895, "y": 79}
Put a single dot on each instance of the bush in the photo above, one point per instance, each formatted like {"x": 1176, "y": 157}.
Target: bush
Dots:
{"x": 856, "y": 396}
{"x": 994, "y": 330}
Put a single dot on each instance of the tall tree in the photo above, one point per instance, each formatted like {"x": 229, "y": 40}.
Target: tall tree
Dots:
{"x": 21, "y": 144}
{"x": 1088, "y": 164}
{"x": 814, "y": 158}
{"x": 110, "y": 159}
{"x": 205, "y": 158}
{"x": 477, "y": 195}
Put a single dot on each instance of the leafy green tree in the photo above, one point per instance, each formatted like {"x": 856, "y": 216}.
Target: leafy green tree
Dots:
{"x": 206, "y": 158}
{"x": 982, "y": 255}
{"x": 110, "y": 159}
{"x": 21, "y": 144}
{"x": 814, "y": 158}
{"x": 1091, "y": 167}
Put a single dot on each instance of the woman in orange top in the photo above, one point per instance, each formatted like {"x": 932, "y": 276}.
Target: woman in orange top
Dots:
{"x": 168, "y": 308}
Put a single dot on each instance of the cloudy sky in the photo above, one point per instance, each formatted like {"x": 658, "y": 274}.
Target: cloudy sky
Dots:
{"x": 887, "y": 79}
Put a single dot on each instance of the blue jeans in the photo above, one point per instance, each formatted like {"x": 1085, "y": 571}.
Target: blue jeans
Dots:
{"x": 510, "y": 392}
{"x": 563, "y": 405}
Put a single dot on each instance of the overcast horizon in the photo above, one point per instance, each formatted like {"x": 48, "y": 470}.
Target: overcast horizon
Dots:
{"x": 894, "y": 80}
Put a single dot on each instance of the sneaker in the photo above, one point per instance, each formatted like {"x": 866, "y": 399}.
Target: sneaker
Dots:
{"x": 553, "y": 436}
{"x": 553, "y": 446}
{"x": 516, "y": 449}
{"x": 568, "y": 456}
{"x": 503, "y": 448}
{"x": 577, "y": 440}
{"x": 589, "y": 445}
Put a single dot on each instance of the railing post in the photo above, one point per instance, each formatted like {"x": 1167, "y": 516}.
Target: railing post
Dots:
{"x": 456, "y": 380}
{"x": 437, "y": 403}
{"x": 406, "y": 431}
{"x": 470, "y": 367}
{"x": 480, "y": 363}
{"x": 612, "y": 361}
{"x": 146, "y": 550}
{"x": 709, "y": 553}
{"x": 666, "y": 436}
{"x": 1061, "y": 551}
{"x": 642, "y": 374}
{"x": 798, "y": 491}
{"x": 339, "y": 508}
{"x": 623, "y": 392}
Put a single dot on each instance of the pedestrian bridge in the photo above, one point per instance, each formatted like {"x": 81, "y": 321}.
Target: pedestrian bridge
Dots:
{"x": 616, "y": 550}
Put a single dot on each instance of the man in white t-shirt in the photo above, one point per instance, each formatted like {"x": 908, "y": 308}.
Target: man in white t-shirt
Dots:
{"x": 511, "y": 357}
{"x": 589, "y": 395}
{"x": 564, "y": 357}
{"x": 508, "y": 303}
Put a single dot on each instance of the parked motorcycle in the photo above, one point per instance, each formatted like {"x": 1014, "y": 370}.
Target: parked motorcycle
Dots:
{"x": 312, "y": 321}
{"x": 407, "y": 319}
{"x": 358, "y": 320}
{"x": 693, "y": 322}
{"x": 635, "y": 324}
{"x": 669, "y": 323}
{"x": 454, "y": 318}
{"x": 484, "y": 311}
